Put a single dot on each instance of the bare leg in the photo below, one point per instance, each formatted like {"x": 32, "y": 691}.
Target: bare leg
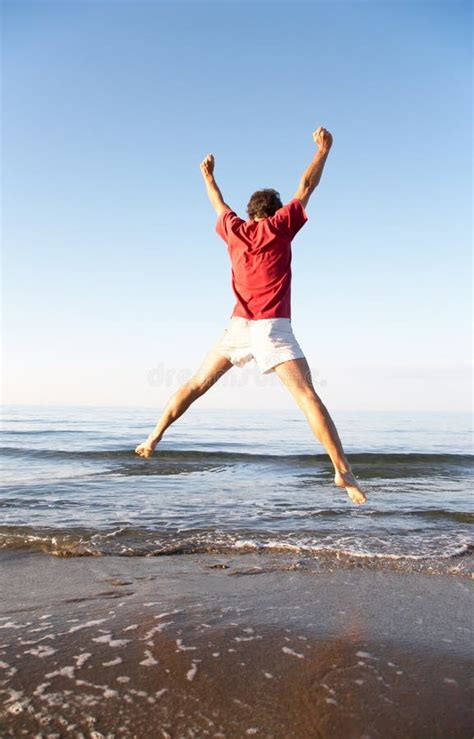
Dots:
{"x": 214, "y": 366}
{"x": 296, "y": 375}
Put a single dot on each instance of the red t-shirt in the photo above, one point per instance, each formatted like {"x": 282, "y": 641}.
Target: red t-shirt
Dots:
{"x": 260, "y": 254}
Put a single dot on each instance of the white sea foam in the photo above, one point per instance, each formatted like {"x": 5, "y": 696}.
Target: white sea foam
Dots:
{"x": 150, "y": 660}
{"x": 287, "y": 650}
{"x": 366, "y": 655}
{"x": 36, "y": 641}
{"x": 163, "y": 625}
{"x": 66, "y": 671}
{"x": 15, "y": 695}
{"x": 107, "y": 639}
{"x": 169, "y": 613}
{"x": 87, "y": 625}
{"x": 154, "y": 629}
{"x": 112, "y": 662}
{"x": 181, "y": 647}
{"x": 13, "y": 625}
{"x": 190, "y": 675}
{"x": 365, "y": 548}
{"x": 41, "y": 651}
{"x": 81, "y": 658}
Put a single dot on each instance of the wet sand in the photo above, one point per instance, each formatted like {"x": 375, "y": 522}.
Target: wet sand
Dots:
{"x": 205, "y": 645}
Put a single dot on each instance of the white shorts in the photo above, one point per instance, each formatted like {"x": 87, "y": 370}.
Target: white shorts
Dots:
{"x": 270, "y": 341}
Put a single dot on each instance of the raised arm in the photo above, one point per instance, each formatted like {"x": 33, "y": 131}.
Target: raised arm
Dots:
{"x": 215, "y": 195}
{"x": 312, "y": 175}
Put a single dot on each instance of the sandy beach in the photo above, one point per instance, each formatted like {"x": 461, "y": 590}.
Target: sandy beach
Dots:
{"x": 236, "y": 646}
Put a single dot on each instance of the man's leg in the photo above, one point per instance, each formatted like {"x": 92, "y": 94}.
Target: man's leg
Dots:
{"x": 296, "y": 375}
{"x": 214, "y": 366}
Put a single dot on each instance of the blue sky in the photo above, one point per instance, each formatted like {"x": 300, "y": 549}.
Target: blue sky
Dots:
{"x": 115, "y": 283}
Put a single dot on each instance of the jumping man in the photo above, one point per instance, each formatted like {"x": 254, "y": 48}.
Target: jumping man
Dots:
{"x": 260, "y": 326}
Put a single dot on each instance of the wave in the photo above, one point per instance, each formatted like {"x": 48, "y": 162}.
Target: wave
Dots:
{"x": 362, "y": 458}
{"x": 405, "y": 515}
{"x": 42, "y": 432}
{"x": 434, "y": 553}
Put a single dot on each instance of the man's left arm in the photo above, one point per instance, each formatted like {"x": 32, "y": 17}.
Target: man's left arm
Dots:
{"x": 215, "y": 195}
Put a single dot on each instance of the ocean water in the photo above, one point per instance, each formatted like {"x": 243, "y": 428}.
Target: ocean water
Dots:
{"x": 238, "y": 481}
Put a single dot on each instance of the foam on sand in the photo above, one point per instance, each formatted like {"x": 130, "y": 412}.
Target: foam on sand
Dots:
{"x": 325, "y": 647}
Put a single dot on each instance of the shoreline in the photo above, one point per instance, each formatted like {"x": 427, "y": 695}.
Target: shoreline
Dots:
{"x": 456, "y": 559}
{"x": 224, "y": 645}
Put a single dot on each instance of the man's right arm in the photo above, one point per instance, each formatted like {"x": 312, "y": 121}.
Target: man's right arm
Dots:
{"x": 312, "y": 175}
{"x": 213, "y": 191}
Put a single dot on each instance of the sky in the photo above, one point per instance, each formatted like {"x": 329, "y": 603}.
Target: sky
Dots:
{"x": 115, "y": 284}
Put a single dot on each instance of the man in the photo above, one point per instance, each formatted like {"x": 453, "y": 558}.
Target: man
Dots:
{"x": 260, "y": 327}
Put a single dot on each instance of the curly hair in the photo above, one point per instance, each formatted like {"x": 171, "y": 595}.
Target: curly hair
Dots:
{"x": 264, "y": 203}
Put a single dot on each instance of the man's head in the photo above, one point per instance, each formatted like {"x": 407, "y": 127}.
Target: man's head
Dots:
{"x": 263, "y": 203}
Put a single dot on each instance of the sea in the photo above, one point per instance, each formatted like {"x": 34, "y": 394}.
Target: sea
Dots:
{"x": 237, "y": 481}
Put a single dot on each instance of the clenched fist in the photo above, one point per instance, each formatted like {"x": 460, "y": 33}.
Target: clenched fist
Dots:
{"x": 207, "y": 166}
{"x": 322, "y": 138}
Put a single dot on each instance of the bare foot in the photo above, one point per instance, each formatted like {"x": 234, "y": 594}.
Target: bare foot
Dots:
{"x": 146, "y": 448}
{"x": 348, "y": 480}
